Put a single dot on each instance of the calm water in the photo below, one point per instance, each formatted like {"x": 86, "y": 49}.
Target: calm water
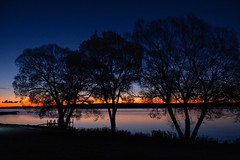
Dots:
{"x": 221, "y": 124}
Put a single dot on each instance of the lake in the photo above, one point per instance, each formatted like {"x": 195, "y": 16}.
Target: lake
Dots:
{"x": 222, "y": 124}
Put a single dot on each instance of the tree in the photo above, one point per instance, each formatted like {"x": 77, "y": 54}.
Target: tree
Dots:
{"x": 114, "y": 63}
{"x": 190, "y": 43}
{"x": 157, "y": 76}
{"x": 78, "y": 86}
{"x": 46, "y": 78}
{"x": 179, "y": 53}
{"x": 221, "y": 63}
{"x": 216, "y": 70}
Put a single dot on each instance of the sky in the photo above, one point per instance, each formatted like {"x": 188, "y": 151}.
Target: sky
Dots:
{"x": 67, "y": 23}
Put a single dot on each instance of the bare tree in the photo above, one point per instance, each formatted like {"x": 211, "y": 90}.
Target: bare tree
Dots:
{"x": 78, "y": 87}
{"x": 191, "y": 42}
{"x": 46, "y": 78}
{"x": 221, "y": 65}
{"x": 114, "y": 63}
{"x": 179, "y": 53}
{"x": 216, "y": 70}
{"x": 157, "y": 76}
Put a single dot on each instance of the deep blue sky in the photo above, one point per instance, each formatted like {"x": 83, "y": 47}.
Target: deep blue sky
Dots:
{"x": 32, "y": 23}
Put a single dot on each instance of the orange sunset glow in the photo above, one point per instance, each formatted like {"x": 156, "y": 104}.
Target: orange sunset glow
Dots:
{"x": 17, "y": 102}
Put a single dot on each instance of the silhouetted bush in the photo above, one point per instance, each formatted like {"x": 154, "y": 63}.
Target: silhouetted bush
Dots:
{"x": 164, "y": 134}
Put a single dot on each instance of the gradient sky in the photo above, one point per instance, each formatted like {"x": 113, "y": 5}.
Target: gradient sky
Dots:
{"x": 32, "y": 23}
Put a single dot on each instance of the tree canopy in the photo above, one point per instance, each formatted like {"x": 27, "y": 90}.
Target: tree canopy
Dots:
{"x": 114, "y": 63}
{"x": 46, "y": 77}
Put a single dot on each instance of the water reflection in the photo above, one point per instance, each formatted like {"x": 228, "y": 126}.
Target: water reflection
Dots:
{"x": 46, "y": 112}
{"x": 218, "y": 123}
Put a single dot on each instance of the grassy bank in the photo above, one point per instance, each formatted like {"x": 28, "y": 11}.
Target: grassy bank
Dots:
{"x": 48, "y": 143}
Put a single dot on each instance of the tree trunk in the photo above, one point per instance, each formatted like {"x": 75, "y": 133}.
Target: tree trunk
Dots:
{"x": 112, "y": 116}
{"x": 60, "y": 115}
{"x": 113, "y": 123}
{"x": 200, "y": 120}
{"x": 60, "y": 119}
{"x": 69, "y": 116}
{"x": 180, "y": 134}
{"x": 187, "y": 122}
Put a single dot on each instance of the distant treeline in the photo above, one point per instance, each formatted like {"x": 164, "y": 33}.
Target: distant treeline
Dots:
{"x": 178, "y": 59}
{"x": 140, "y": 105}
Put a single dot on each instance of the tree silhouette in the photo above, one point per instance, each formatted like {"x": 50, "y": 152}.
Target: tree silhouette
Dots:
{"x": 46, "y": 77}
{"x": 114, "y": 63}
{"x": 157, "y": 76}
{"x": 220, "y": 61}
{"x": 181, "y": 54}
{"x": 216, "y": 70}
{"x": 78, "y": 85}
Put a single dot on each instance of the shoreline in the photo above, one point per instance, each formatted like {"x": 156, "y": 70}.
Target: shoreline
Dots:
{"x": 104, "y": 129}
{"x": 48, "y": 143}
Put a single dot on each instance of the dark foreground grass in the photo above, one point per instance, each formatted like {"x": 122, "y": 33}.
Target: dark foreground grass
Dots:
{"x": 46, "y": 143}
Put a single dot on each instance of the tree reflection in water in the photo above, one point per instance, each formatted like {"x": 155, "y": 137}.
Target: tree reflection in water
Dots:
{"x": 49, "y": 112}
{"x": 197, "y": 115}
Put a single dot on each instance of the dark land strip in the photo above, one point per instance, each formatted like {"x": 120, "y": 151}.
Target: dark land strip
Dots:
{"x": 34, "y": 142}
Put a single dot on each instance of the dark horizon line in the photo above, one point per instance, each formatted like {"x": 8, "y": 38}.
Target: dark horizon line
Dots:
{"x": 135, "y": 105}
